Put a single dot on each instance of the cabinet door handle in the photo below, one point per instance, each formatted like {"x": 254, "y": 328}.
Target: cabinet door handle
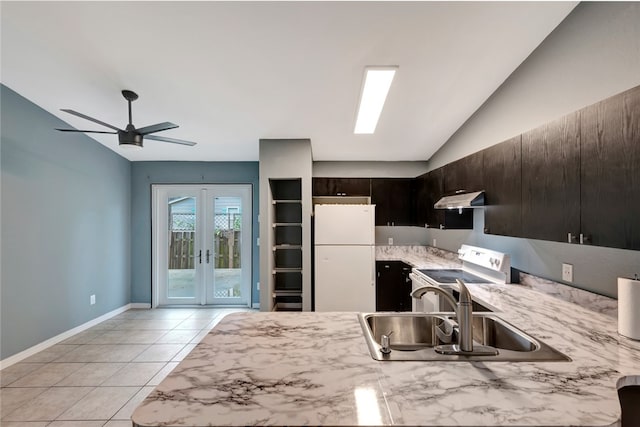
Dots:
{"x": 200, "y": 256}
{"x": 208, "y": 255}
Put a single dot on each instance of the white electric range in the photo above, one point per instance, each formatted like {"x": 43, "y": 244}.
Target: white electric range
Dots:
{"x": 479, "y": 265}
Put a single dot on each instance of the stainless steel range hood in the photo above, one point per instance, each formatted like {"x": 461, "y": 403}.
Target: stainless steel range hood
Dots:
{"x": 461, "y": 201}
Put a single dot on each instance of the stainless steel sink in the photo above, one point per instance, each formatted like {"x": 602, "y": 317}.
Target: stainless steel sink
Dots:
{"x": 496, "y": 333}
{"x": 413, "y": 336}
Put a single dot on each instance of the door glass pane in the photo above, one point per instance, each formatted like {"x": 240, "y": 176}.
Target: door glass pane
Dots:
{"x": 181, "y": 276}
{"x": 226, "y": 247}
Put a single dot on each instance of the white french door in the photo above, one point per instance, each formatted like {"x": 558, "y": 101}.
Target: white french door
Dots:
{"x": 202, "y": 244}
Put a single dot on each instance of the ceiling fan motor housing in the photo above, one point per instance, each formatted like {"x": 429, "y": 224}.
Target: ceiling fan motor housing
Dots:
{"x": 130, "y": 138}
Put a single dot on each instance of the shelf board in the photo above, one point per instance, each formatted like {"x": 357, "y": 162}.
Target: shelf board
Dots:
{"x": 286, "y": 270}
{"x": 287, "y": 293}
{"x": 286, "y": 224}
{"x": 287, "y": 246}
{"x": 287, "y": 306}
{"x": 286, "y": 201}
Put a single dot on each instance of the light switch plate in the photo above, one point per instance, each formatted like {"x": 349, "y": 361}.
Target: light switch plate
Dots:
{"x": 390, "y": 241}
{"x": 92, "y": 299}
{"x": 567, "y": 272}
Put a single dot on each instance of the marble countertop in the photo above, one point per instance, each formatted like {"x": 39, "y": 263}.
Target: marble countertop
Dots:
{"x": 418, "y": 256}
{"x": 315, "y": 368}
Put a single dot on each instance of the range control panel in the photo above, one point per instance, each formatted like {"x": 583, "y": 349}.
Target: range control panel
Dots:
{"x": 486, "y": 258}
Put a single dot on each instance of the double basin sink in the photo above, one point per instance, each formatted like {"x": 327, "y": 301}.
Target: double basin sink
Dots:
{"x": 414, "y": 336}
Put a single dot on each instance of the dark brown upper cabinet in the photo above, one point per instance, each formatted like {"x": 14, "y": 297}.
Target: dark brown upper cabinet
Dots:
{"x": 394, "y": 200}
{"x": 421, "y": 201}
{"x": 341, "y": 186}
{"x": 579, "y": 174}
{"x": 463, "y": 175}
{"x": 429, "y": 191}
{"x": 502, "y": 179}
{"x": 551, "y": 180}
{"x": 610, "y": 171}
{"x": 434, "y": 190}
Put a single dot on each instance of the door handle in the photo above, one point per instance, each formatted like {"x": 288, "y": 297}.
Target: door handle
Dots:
{"x": 208, "y": 255}
{"x": 200, "y": 257}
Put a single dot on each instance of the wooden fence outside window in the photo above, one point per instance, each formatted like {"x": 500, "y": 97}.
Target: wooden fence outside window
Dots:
{"x": 226, "y": 245}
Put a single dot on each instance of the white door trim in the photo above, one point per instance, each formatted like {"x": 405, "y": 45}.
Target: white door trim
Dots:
{"x": 204, "y": 194}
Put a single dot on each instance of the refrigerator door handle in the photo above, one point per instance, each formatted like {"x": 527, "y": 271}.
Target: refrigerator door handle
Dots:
{"x": 373, "y": 266}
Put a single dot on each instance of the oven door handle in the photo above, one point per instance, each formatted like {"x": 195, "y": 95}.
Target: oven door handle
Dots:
{"x": 415, "y": 277}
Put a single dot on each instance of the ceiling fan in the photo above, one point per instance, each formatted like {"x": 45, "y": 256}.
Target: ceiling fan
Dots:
{"x": 130, "y": 137}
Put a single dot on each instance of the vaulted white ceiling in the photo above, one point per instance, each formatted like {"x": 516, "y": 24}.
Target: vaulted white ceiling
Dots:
{"x": 230, "y": 73}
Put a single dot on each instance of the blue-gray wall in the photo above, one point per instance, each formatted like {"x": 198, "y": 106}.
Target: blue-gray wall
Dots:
{"x": 593, "y": 54}
{"x": 144, "y": 174}
{"x": 65, "y": 217}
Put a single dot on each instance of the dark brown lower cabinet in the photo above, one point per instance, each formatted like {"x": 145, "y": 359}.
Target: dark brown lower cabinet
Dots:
{"x": 393, "y": 286}
{"x": 502, "y": 180}
{"x": 551, "y": 180}
{"x": 610, "y": 171}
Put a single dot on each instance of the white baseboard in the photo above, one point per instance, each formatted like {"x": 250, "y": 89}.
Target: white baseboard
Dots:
{"x": 5, "y": 363}
{"x": 140, "y": 305}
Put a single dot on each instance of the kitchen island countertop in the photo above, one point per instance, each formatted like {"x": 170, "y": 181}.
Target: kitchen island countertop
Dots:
{"x": 315, "y": 368}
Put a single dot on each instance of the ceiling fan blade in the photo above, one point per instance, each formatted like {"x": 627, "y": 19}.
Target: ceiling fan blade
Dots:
{"x": 84, "y": 116}
{"x": 85, "y": 131}
{"x": 172, "y": 140}
{"x": 156, "y": 128}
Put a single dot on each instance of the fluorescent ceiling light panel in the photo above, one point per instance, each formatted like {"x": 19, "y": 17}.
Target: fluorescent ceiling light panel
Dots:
{"x": 377, "y": 81}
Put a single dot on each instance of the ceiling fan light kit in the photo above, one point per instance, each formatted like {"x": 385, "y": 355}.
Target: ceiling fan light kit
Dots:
{"x": 130, "y": 137}
{"x": 130, "y": 140}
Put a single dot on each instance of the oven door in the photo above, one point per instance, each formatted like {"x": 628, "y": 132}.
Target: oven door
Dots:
{"x": 430, "y": 302}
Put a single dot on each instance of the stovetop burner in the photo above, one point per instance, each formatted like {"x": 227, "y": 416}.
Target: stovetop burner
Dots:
{"x": 450, "y": 275}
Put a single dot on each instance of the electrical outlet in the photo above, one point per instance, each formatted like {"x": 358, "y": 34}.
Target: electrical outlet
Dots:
{"x": 567, "y": 272}
{"x": 92, "y": 299}
{"x": 258, "y": 285}
{"x": 390, "y": 241}
{"x": 434, "y": 243}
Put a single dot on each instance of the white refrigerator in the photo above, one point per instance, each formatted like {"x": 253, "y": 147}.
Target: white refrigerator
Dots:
{"x": 345, "y": 258}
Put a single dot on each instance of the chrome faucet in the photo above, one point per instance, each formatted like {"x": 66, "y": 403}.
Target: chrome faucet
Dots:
{"x": 463, "y": 309}
{"x": 464, "y": 314}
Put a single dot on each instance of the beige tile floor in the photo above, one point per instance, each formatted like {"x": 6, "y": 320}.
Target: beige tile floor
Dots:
{"x": 97, "y": 377}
